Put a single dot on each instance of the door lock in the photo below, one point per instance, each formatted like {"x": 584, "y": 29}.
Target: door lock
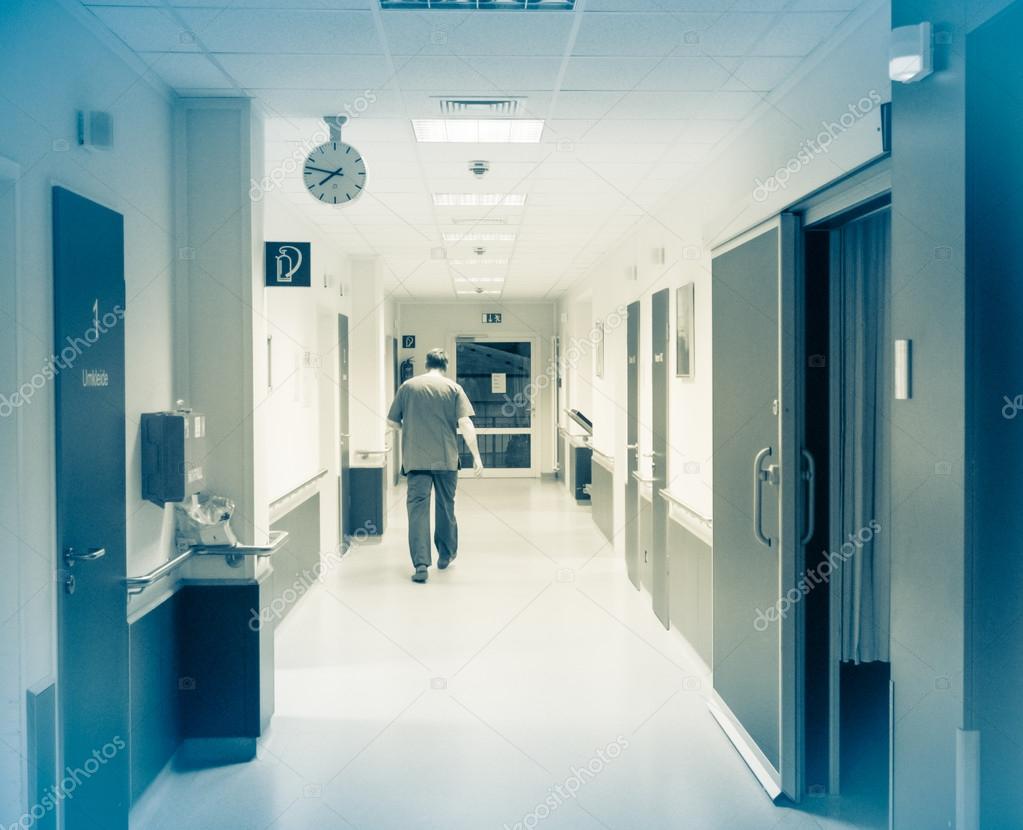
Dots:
{"x": 70, "y": 583}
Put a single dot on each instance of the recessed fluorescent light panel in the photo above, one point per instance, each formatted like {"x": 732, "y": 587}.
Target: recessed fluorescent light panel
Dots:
{"x": 474, "y": 280}
{"x": 479, "y": 199}
{"x": 479, "y": 237}
{"x": 475, "y": 293}
{"x": 478, "y": 130}
{"x": 478, "y": 261}
{"x": 480, "y": 5}
{"x": 481, "y": 220}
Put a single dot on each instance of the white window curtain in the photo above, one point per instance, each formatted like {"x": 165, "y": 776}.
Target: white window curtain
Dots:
{"x": 864, "y": 379}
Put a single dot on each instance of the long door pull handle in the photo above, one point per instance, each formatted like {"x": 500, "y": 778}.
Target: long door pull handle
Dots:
{"x": 809, "y": 476}
{"x": 759, "y": 477}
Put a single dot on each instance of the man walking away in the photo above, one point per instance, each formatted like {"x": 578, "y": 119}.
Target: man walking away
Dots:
{"x": 429, "y": 409}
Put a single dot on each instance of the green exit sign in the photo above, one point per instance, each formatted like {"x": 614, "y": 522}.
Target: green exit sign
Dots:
{"x": 492, "y": 318}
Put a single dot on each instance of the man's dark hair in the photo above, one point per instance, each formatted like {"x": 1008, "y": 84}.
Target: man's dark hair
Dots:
{"x": 437, "y": 359}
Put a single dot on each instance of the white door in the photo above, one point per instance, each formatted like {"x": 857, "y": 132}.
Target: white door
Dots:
{"x": 497, "y": 375}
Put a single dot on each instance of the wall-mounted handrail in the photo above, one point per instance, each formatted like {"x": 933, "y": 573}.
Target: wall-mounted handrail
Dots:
{"x": 642, "y": 479}
{"x": 604, "y": 460}
{"x": 232, "y": 553}
{"x": 668, "y": 496}
{"x": 137, "y": 584}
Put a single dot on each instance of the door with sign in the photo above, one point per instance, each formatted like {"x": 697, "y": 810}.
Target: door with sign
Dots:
{"x": 497, "y": 376}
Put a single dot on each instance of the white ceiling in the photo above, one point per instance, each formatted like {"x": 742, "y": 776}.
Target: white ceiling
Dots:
{"x": 636, "y": 94}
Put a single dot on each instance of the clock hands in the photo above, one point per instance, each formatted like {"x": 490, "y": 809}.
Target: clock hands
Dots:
{"x": 331, "y": 176}
{"x": 319, "y": 169}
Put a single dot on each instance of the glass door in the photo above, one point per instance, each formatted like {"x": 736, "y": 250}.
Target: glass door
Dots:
{"x": 497, "y": 376}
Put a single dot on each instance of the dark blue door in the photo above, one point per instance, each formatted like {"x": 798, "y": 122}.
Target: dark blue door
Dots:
{"x": 88, "y": 304}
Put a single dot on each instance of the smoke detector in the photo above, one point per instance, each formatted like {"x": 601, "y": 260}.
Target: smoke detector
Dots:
{"x": 479, "y": 168}
{"x": 479, "y": 250}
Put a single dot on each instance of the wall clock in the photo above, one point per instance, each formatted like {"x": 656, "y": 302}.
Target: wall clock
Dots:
{"x": 334, "y": 172}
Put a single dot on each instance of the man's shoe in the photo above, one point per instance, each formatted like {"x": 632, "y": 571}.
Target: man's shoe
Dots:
{"x": 444, "y": 561}
{"x": 421, "y": 574}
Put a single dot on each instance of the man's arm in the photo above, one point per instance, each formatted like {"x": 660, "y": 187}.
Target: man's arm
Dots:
{"x": 396, "y": 414}
{"x": 468, "y": 429}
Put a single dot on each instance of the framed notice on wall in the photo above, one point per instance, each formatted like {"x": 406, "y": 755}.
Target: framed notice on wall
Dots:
{"x": 684, "y": 323}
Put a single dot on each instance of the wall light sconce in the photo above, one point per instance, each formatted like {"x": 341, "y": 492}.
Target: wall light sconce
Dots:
{"x": 660, "y": 256}
{"x": 632, "y": 272}
{"x": 910, "y": 56}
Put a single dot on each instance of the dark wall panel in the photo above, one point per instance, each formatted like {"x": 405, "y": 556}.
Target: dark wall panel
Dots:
{"x": 602, "y": 499}
{"x": 155, "y": 675}
{"x": 692, "y": 588}
{"x": 994, "y": 214}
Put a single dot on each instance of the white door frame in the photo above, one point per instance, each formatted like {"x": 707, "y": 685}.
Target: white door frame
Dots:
{"x": 533, "y": 471}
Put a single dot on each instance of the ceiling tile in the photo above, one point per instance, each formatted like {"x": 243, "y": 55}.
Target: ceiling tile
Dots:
{"x": 187, "y": 70}
{"x": 583, "y": 73}
{"x": 493, "y": 33}
{"x": 636, "y": 34}
{"x": 761, "y": 74}
{"x": 280, "y": 32}
{"x": 686, "y": 73}
{"x": 305, "y": 72}
{"x": 798, "y": 34}
{"x": 734, "y": 33}
{"x": 151, "y": 29}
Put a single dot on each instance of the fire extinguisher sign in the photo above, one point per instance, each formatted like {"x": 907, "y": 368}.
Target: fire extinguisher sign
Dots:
{"x": 288, "y": 264}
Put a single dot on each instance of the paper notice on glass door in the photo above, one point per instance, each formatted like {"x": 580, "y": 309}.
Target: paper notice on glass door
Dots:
{"x": 498, "y": 383}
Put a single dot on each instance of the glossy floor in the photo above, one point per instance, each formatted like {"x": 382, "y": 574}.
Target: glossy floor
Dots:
{"x": 527, "y": 686}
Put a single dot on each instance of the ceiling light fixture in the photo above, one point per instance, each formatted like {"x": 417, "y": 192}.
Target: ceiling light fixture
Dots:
{"x": 482, "y": 261}
{"x": 479, "y": 199}
{"x": 478, "y": 237}
{"x": 477, "y": 292}
{"x": 478, "y": 130}
{"x": 474, "y": 280}
{"x": 482, "y": 220}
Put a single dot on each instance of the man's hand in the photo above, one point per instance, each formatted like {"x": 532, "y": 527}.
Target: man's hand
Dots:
{"x": 469, "y": 434}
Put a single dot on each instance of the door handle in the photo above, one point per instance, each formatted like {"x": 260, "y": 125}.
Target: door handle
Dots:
{"x": 809, "y": 474}
{"x": 759, "y": 477}
{"x": 90, "y": 555}
{"x": 632, "y": 446}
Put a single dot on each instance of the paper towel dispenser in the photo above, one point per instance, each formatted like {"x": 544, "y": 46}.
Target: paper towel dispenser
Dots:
{"x": 173, "y": 452}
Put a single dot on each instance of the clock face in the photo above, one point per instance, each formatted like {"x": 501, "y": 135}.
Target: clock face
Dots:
{"x": 335, "y": 173}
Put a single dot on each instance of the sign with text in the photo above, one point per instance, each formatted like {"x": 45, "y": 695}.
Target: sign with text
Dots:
{"x": 498, "y": 383}
{"x": 288, "y": 264}
{"x": 491, "y": 318}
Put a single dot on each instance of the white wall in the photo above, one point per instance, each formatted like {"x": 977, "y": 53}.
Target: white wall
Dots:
{"x": 436, "y": 324}
{"x": 721, "y": 201}
{"x": 300, "y": 361}
{"x": 52, "y": 65}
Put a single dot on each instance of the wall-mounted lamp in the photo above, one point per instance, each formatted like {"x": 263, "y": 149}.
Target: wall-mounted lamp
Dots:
{"x": 632, "y": 272}
{"x": 660, "y": 256}
{"x": 910, "y": 54}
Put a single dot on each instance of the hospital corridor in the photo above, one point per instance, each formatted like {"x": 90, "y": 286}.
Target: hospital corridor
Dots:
{"x": 513, "y": 414}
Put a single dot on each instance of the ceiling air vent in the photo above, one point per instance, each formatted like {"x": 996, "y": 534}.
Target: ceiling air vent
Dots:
{"x": 479, "y": 106}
